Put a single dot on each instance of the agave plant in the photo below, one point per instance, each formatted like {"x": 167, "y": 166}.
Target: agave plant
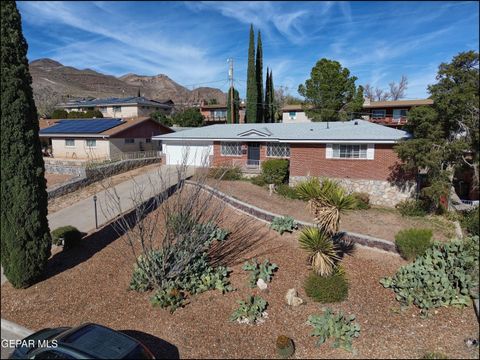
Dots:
{"x": 322, "y": 252}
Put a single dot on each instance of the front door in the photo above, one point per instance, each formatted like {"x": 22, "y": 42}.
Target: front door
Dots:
{"x": 253, "y": 156}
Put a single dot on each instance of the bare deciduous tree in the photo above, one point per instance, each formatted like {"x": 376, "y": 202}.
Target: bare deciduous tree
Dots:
{"x": 396, "y": 91}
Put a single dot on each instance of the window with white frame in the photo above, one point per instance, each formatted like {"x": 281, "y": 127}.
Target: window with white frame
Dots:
{"x": 349, "y": 151}
{"x": 231, "y": 149}
{"x": 379, "y": 113}
{"x": 91, "y": 142}
{"x": 278, "y": 150}
{"x": 129, "y": 141}
{"x": 70, "y": 142}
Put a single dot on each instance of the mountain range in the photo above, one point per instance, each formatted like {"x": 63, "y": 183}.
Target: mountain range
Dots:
{"x": 54, "y": 82}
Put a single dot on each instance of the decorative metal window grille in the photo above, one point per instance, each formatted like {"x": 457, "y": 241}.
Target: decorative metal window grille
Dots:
{"x": 231, "y": 149}
{"x": 350, "y": 151}
{"x": 278, "y": 150}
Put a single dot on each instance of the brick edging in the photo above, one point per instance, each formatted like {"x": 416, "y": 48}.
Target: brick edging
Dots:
{"x": 268, "y": 216}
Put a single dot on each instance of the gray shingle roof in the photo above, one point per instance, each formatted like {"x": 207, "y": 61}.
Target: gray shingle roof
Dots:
{"x": 116, "y": 101}
{"x": 355, "y": 130}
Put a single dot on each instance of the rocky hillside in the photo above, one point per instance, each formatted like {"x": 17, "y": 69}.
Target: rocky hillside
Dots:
{"x": 54, "y": 83}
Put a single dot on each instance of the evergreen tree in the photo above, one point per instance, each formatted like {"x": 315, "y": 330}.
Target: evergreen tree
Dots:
{"x": 25, "y": 237}
{"x": 236, "y": 104}
{"x": 259, "y": 78}
{"x": 251, "y": 109}
{"x": 267, "y": 104}
{"x": 273, "y": 107}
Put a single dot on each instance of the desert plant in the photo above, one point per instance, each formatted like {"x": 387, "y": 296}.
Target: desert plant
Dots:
{"x": 330, "y": 325}
{"x": 285, "y": 346}
{"x": 168, "y": 298}
{"x": 67, "y": 236}
{"x": 327, "y": 289}
{"x": 411, "y": 208}
{"x": 413, "y": 242}
{"x": 283, "y": 224}
{"x": 446, "y": 274}
{"x": 225, "y": 173}
{"x": 321, "y": 250}
{"x": 275, "y": 171}
{"x": 251, "y": 311}
{"x": 470, "y": 221}
{"x": 363, "y": 200}
{"x": 434, "y": 355}
{"x": 286, "y": 191}
{"x": 262, "y": 271}
{"x": 219, "y": 234}
{"x": 309, "y": 189}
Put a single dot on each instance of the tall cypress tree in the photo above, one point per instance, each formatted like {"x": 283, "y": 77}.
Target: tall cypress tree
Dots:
{"x": 259, "y": 78}
{"x": 273, "y": 107}
{"x": 251, "y": 109}
{"x": 267, "y": 104}
{"x": 25, "y": 237}
{"x": 236, "y": 104}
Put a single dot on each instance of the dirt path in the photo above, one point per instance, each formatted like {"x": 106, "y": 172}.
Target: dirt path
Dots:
{"x": 72, "y": 198}
{"x": 54, "y": 179}
{"x": 378, "y": 222}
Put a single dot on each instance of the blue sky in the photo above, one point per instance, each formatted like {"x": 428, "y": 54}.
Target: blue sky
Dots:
{"x": 191, "y": 41}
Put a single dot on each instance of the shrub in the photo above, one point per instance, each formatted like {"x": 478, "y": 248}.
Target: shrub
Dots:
{"x": 282, "y": 224}
{"x": 446, "y": 274}
{"x": 251, "y": 311}
{"x": 287, "y": 191}
{"x": 168, "y": 298}
{"x": 285, "y": 346}
{"x": 321, "y": 250}
{"x": 363, "y": 200}
{"x": 434, "y": 355}
{"x": 258, "y": 180}
{"x": 275, "y": 171}
{"x": 342, "y": 329}
{"x": 262, "y": 271}
{"x": 411, "y": 208}
{"x": 470, "y": 221}
{"x": 225, "y": 173}
{"x": 413, "y": 242}
{"x": 327, "y": 289}
{"x": 70, "y": 235}
{"x": 59, "y": 114}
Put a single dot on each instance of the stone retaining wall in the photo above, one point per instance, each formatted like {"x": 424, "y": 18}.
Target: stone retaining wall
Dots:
{"x": 267, "y": 216}
{"x": 95, "y": 174}
{"x": 381, "y": 192}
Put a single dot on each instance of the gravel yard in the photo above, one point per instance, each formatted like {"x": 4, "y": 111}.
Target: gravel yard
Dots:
{"x": 54, "y": 179}
{"x": 378, "y": 222}
{"x": 90, "y": 283}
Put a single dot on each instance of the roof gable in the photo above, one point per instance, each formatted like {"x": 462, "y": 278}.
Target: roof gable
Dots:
{"x": 263, "y": 132}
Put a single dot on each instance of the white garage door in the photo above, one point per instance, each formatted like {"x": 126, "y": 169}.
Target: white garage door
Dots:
{"x": 196, "y": 153}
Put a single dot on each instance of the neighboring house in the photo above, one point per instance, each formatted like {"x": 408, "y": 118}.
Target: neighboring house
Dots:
{"x": 357, "y": 153}
{"x": 217, "y": 114}
{"x": 120, "y": 107}
{"x": 102, "y": 139}
{"x": 389, "y": 113}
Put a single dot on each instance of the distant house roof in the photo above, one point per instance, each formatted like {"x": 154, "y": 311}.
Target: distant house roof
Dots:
{"x": 397, "y": 103}
{"x": 296, "y": 107}
{"x": 321, "y": 132}
{"x": 104, "y": 127}
{"x": 218, "y": 106}
{"x": 133, "y": 100}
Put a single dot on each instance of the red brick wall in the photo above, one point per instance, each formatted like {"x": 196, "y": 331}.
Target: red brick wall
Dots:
{"x": 309, "y": 160}
{"x": 219, "y": 160}
{"x": 145, "y": 129}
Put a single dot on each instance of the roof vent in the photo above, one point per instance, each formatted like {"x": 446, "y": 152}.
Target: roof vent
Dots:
{"x": 355, "y": 123}
{"x": 311, "y": 129}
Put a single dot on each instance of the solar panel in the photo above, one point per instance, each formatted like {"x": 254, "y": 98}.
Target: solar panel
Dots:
{"x": 85, "y": 126}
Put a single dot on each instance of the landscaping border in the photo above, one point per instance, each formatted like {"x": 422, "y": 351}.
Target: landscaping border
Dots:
{"x": 268, "y": 217}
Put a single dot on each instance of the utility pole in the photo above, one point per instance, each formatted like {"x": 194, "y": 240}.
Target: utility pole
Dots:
{"x": 230, "y": 77}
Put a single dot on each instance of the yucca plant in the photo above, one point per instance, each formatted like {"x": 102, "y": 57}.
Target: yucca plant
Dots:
{"x": 322, "y": 252}
{"x": 309, "y": 189}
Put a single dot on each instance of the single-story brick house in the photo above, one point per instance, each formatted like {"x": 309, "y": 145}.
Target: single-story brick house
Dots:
{"x": 357, "y": 153}
{"x": 102, "y": 139}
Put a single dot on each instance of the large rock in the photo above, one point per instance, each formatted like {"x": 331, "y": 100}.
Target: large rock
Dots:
{"x": 292, "y": 298}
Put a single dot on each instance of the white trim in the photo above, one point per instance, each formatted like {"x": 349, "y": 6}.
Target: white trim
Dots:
{"x": 305, "y": 141}
{"x": 370, "y": 151}
{"x": 329, "y": 151}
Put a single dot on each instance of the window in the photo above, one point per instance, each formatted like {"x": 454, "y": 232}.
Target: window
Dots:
{"x": 70, "y": 142}
{"x": 341, "y": 151}
{"x": 398, "y": 114}
{"x": 129, "y": 141}
{"x": 117, "y": 108}
{"x": 231, "y": 149}
{"x": 148, "y": 140}
{"x": 278, "y": 150}
{"x": 292, "y": 115}
{"x": 91, "y": 143}
{"x": 378, "y": 114}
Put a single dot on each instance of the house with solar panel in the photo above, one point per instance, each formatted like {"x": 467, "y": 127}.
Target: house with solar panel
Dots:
{"x": 103, "y": 139}
{"x": 120, "y": 107}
